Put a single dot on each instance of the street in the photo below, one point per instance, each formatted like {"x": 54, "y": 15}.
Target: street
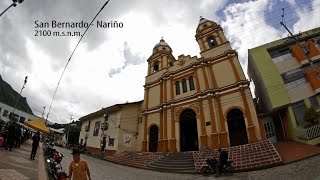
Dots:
{"x": 308, "y": 169}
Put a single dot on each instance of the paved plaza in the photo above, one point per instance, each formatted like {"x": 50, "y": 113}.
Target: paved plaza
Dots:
{"x": 16, "y": 165}
{"x": 307, "y": 169}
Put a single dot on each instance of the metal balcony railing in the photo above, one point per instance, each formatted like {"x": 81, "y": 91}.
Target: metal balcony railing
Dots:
{"x": 104, "y": 126}
{"x": 308, "y": 133}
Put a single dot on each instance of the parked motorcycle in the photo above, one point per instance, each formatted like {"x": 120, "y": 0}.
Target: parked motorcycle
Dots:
{"x": 211, "y": 164}
{"x": 56, "y": 170}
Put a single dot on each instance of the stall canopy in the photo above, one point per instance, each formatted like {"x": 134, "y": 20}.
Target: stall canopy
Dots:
{"x": 37, "y": 124}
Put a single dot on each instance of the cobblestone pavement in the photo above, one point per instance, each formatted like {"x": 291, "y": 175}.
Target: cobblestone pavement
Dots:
{"x": 308, "y": 169}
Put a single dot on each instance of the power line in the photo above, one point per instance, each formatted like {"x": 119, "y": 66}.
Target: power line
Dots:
{"x": 72, "y": 55}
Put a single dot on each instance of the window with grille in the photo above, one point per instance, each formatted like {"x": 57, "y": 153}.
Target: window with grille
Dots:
{"x": 177, "y": 88}
{"x": 191, "y": 83}
{"x": 5, "y": 113}
{"x": 314, "y": 102}
{"x": 111, "y": 142}
{"x": 298, "y": 111}
{"x": 184, "y": 85}
{"x": 293, "y": 75}
{"x": 269, "y": 130}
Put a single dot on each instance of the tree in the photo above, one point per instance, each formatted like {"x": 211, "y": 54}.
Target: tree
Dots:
{"x": 311, "y": 115}
{"x": 74, "y": 132}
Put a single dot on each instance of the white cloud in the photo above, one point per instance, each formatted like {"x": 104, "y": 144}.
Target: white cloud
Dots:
{"x": 308, "y": 18}
{"x": 246, "y": 28}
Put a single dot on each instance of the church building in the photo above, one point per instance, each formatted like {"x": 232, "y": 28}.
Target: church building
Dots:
{"x": 193, "y": 103}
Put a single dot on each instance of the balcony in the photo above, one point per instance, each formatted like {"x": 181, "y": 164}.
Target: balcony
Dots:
{"x": 104, "y": 126}
{"x": 308, "y": 133}
{"x": 87, "y": 128}
{"x": 310, "y": 51}
{"x": 313, "y": 79}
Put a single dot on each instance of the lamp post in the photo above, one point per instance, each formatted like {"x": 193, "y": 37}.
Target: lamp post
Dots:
{"x": 14, "y": 108}
{"x": 14, "y": 4}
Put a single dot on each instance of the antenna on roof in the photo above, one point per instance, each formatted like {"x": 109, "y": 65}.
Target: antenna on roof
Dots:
{"x": 304, "y": 48}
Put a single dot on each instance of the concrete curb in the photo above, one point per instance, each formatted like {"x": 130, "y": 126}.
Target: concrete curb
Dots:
{"x": 42, "y": 173}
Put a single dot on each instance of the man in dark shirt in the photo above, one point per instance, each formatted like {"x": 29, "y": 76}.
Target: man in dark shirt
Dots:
{"x": 35, "y": 144}
{"x": 223, "y": 159}
{"x": 10, "y": 136}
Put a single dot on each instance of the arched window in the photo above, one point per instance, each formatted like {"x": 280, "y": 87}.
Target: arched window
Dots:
{"x": 191, "y": 83}
{"x": 177, "y": 87}
{"x": 184, "y": 85}
{"x": 212, "y": 42}
{"x": 156, "y": 66}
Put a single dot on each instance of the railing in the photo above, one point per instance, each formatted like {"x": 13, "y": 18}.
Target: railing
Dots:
{"x": 87, "y": 128}
{"x": 104, "y": 126}
{"x": 309, "y": 133}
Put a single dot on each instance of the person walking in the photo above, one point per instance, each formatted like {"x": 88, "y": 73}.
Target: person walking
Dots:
{"x": 10, "y": 136}
{"x": 223, "y": 159}
{"x": 78, "y": 168}
{"x": 35, "y": 144}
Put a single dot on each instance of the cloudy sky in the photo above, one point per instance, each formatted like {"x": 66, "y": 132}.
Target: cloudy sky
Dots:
{"x": 109, "y": 65}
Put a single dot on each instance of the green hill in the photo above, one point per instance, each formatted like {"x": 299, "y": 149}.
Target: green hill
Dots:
{"x": 9, "y": 96}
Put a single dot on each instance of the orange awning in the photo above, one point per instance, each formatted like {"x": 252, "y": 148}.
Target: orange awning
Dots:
{"x": 37, "y": 124}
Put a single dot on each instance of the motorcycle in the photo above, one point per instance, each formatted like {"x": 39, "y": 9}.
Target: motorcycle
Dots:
{"x": 56, "y": 170}
{"x": 211, "y": 164}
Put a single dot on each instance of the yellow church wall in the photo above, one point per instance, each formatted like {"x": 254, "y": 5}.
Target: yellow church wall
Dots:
{"x": 237, "y": 65}
{"x": 154, "y": 96}
{"x": 169, "y": 94}
{"x": 155, "y": 76}
{"x": 216, "y": 51}
{"x": 253, "y": 113}
{"x": 223, "y": 38}
{"x": 200, "y": 79}
{"x": 223, "y": 67}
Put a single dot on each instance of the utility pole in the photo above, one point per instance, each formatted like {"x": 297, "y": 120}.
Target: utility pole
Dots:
{"x": 303, "y": 47}
{"x": 15, "y": 105}
{"x": 67, "y": 136}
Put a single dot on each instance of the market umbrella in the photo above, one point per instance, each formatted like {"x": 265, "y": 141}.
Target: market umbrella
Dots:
{"x": 37, "y": 124}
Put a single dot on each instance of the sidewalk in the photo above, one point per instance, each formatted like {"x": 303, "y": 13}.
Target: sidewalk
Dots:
{"x": 16, "y": 164}
{"x": 294, "y": 151}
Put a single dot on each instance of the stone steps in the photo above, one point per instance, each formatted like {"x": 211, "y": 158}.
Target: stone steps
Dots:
{"x": 246, "y": 157}
{"x": 174, "y": 162}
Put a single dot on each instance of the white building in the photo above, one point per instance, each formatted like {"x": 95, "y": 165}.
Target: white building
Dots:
{"x": 5, "y": 111}
{"x": 120, "y": 133}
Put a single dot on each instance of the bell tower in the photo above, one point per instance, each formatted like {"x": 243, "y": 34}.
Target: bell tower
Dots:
{"x": 161, "y": 58}
{"x": 210, "y": 36}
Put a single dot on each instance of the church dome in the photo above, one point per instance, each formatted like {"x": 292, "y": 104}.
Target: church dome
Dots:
{"x": 162, "y": 45}
{"x": 205, "y": 23}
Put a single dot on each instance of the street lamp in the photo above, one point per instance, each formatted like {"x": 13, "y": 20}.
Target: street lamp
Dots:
{"x": 25, "y": 82}
{"x": 14, "y": 4}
